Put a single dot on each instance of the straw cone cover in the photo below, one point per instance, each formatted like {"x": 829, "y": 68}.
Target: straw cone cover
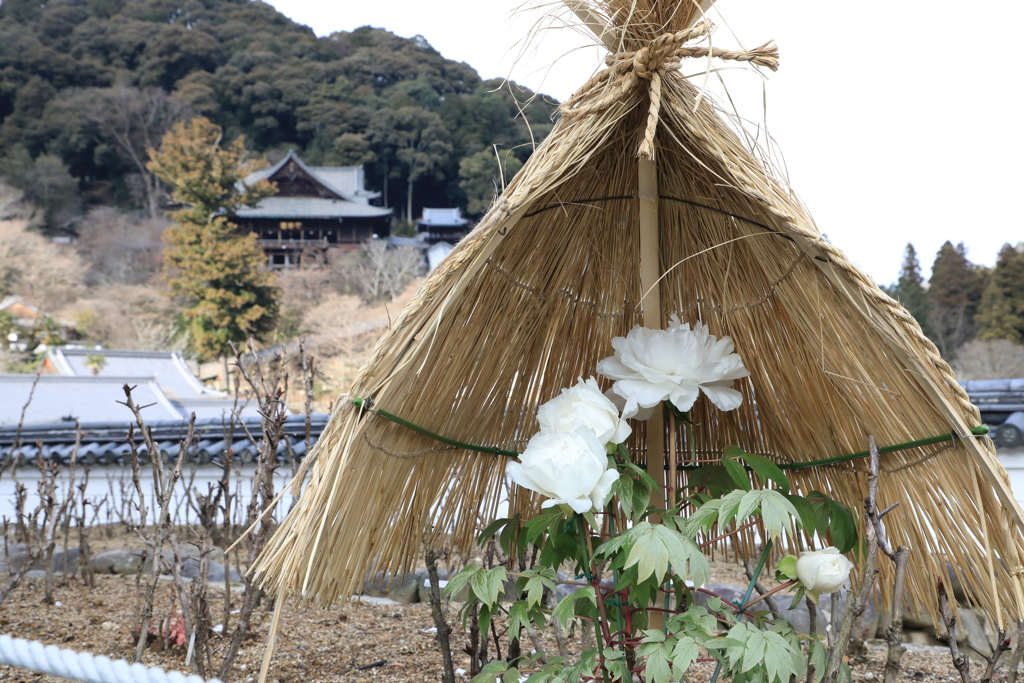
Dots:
{"x": 532, "y": 299}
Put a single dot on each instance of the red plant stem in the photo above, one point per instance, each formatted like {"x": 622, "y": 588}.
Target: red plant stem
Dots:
{"x": 605, "y": 629}
{"x": 629, "y": 612}
{"x": 768, "y": 593}
{"x": 700, "y": 659}
{"x": 727, "y": 534}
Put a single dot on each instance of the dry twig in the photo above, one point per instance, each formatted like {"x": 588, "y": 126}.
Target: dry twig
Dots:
{"x": 443, "y": 629}
{"x": 894, "y": 632}
{"x": 163, "y": 486}
{"x": 270, "y": 397}
{"x": 960, "y": 661}
{"x": 856, "y": 600}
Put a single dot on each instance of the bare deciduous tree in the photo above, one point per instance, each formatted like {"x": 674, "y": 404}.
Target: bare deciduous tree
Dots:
{"x": 121, "y": 249}
{"x": 134, "y": 121}
{"x": 381, "y": 272}
{"x": 994, "y": 359}
{"x": 12, "y": 203}
{"x": 45, "y": 274}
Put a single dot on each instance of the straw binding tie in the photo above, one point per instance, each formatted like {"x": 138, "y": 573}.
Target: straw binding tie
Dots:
{"x": 664, "y": 53}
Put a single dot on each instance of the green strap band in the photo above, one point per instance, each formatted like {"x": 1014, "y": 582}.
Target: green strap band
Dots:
{"x": 980, "y": 430}
{"x": 367, "y": 404}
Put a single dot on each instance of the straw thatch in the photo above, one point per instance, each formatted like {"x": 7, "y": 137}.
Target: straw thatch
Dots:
{"x": 532, "y": 298}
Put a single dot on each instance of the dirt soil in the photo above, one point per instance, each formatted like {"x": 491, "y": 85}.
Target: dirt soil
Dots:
{"x": 363, "y": 642}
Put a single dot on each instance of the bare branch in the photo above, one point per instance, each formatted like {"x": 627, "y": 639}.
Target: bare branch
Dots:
{"x": 960, "y": 662}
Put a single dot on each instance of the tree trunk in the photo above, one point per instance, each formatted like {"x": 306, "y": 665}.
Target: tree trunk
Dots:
{"x": 152, "y": 186}
{"x": 227, "y": 374}
{"x": 408, "y": 203}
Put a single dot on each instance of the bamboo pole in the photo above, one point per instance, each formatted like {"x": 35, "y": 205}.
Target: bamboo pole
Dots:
{"x": 650, "y": 272}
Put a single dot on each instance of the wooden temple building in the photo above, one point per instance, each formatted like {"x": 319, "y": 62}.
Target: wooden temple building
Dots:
{"x": 317, "y": 210}
{"x": 442, "y": 225}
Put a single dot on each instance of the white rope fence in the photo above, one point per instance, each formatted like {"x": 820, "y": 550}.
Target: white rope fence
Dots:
{"x": 82, "y": 666}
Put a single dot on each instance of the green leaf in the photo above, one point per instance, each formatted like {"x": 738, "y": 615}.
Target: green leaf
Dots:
{"x": 617, "y": 667}
{"x": 508, "y": 533}
{"x": 818, "y": 658}
{"x": 766, "y": 470}
{"x": 730, "y": 505}
{"x": 701, "y": 620}
{"x": 584, "y": 667}
{"x": 684, "y": 654}
{"x": 776, "y": 512}
{"x": 787, "y": 566}
{"x": 641, "y": 494}
{"x": 492, "y": 529}
{"x": 820, "y": 502}
{"x": 485, "y": 618}
{"x": 748, "y": 503}
{"x": 623, "y": 490}
{"x": 536, "y": 581}
{"x": 691, "y": 564}
{"x": 805, "y": 511}
{"x": 713, "y": 478}
{"x": 517, "y": 619}
{"x": 565, "y": 611}
{"x": 703, "y": 518}
{"x": 654, "y": 547}
{"x": 842, "y": 527}
{"x": 753, "y": 649}
{"x": 721, "y": 643}
{"x": 737, "y": 473}
{"x": 461, "y": 578}
{"x": 778, "y": 657}
{"x": 488, "y": 585}
{"x": 612, "y": 546}
{"x": 653, "y": 636}
{"x": 657, "y": 668}
{"x": 539, "y": 524}
{"x": 636, "y": 469}
{"x": 511, "y": 675}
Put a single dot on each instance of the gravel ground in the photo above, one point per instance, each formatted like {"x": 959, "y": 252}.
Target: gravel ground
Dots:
{"x": 364, "y": 642}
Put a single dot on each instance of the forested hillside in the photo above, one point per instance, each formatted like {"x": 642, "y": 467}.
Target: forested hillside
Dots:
{"x": 87, "y": 85}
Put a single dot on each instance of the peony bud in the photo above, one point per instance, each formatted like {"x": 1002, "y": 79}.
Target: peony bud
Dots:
{"x": 823, "y": 571}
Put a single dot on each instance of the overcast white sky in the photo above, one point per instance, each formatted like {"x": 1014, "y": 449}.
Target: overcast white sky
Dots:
{"x": 899, "y": 120}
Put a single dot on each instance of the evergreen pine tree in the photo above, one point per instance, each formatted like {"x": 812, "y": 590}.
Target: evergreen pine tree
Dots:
{"x": 214, "y": 268}
{"x": 1002, "y": 307}
{"x": 954, "y": 295}
{"x": 909, "y": 288}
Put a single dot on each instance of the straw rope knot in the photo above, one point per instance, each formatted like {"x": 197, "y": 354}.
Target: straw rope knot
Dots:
{"x": 625, "y": 71}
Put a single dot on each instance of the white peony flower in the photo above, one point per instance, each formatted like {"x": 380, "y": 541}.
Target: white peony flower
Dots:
{"x": 642, "y": 414}
{"x": 583, "y": 405}
{"x": 823, "y": 571}
{"x": 567, "y": 467}
{"x": 651, "y": 366}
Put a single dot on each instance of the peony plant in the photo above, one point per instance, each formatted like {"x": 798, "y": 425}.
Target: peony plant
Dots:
{"x": 597, "y": 518}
